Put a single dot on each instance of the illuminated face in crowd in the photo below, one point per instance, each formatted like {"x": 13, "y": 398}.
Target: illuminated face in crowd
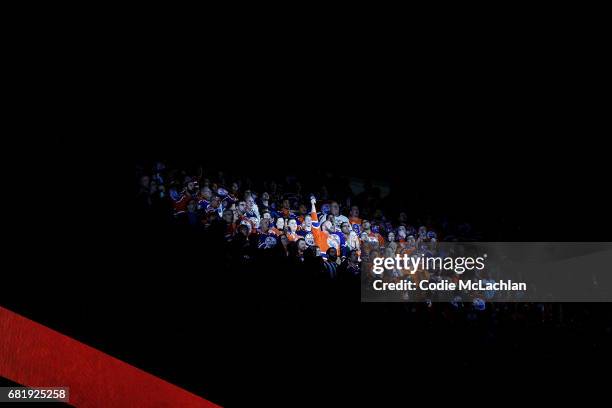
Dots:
{"x": 280, "y": 223}
{"x": 401, "y": 232}
{"x": 307, "y": 222}
{"x": 346, "y": 228}
{"x": 250, "y": 203}
{"x": 242, "y": 207}
{"x": 265, "y": 196}
{"x": 391, "y": 237}
{"x": 265, "y": 225}
{"x": 292, "y": 225}
{"x": 228, "y": 216}
{"x": 355, "y": 211}
{"x": 335, "y": 208}
{"x": 366, "y": 225}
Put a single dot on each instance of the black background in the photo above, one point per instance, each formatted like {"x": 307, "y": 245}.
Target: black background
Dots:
{"x": 88, "y": 264}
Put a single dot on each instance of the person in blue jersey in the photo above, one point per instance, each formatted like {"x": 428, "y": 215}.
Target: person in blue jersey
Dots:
{"x": 351, "y": 239}
{"x": 267, "y": 240}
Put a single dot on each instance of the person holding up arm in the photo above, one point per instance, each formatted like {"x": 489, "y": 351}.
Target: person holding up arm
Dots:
{"x": 322, "y": 232}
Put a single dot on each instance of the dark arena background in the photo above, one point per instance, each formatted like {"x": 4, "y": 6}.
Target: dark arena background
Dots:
{"x": 121, "y": 278}
{"x": 174, "y": 297}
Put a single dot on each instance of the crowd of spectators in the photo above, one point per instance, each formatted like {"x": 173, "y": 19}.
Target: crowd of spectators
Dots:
{"x": 339, "y": 227}
{"x": 315, "y": 234}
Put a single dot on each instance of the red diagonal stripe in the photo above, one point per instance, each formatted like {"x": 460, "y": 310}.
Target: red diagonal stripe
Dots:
{"x": 34, "y": 355}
